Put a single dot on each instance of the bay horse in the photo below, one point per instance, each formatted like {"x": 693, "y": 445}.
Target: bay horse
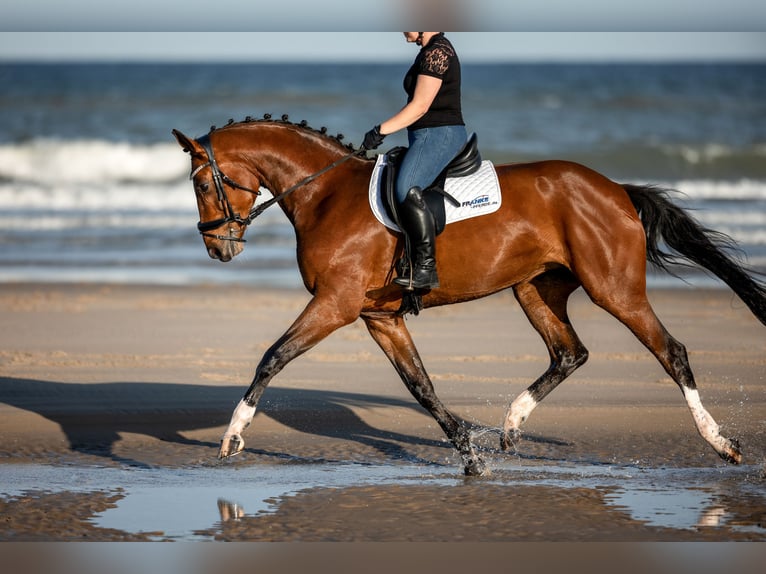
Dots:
{"x": 561, "y": 226}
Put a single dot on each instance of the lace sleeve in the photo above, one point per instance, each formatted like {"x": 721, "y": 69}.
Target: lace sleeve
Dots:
{"x": 436, "y": 61}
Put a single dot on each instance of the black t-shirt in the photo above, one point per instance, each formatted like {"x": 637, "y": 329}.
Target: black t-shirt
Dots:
{"x": 437, "y": 59}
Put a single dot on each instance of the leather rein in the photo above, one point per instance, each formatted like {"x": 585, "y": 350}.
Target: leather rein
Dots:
{"x": 230, "y": 216}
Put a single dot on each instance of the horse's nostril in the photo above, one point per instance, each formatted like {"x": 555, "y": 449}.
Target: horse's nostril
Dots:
{"x": 214, "y": 252}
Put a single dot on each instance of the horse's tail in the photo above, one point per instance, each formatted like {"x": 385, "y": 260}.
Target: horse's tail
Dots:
{"x": 664, "y": 221}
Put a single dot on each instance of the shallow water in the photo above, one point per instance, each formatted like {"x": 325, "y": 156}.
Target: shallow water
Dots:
{"x": 190, "y": 504}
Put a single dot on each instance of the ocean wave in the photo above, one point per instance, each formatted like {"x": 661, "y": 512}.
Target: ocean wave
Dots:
{"x": 105, "y": 197}
{"x": 709, "y": 153}
{"x": 59, "y": 222}
{"x": 746, "y": 238}
{"x": 52, "y": 162}
{"x": 632, "y": 159}
{"x": 50, "y": 185}
{"x": 731, "y": 217}
{"x": 178, "y": 197}
{"x": 737, "y": 190}
{"x": 57, "y": 162}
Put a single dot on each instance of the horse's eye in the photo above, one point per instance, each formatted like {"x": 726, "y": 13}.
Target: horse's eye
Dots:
{"x": 203, "y": 187}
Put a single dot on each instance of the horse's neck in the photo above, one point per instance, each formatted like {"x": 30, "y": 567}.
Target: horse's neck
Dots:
{"x": 283, "y": 156}
{"x": 298, "y": 168}
{"x": 287, "y": 161}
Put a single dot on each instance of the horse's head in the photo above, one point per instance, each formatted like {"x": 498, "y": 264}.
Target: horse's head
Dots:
{"x": 226, "y": 191}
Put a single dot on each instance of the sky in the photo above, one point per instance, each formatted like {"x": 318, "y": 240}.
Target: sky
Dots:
{"x": 327, "y": 30}
{"x": 379, "y": 46}
{"x": 382, "y": 15}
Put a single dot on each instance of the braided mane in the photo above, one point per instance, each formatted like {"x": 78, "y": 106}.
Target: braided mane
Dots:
{"x": 303, "y": 124}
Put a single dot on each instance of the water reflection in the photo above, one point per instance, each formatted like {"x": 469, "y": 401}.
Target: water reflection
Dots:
{"x": 713, "y": 516}
{"x": 193, "y": 504}
{"x": 669, "y": 508}
{"x": 183, "y": 512}
{"x": 668, "y": 498}
{"x": 230, "y": 510}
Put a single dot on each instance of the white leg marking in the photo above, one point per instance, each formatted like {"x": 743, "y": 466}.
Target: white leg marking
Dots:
{"x": 519, "y": 410}
{"x": 232, "y": 442}
{"x": 240, "y": 419}
{"x": 706, "y": 425}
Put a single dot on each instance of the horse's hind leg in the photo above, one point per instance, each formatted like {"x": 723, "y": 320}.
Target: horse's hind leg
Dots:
{"x": 634, "y": 310}
{"x": 544, "y": 300}
{"x": 393, "y": 337}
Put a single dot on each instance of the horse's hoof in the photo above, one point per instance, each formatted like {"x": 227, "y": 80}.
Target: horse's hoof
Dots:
{"x": 509, "y": 439}
{"x": 231, "y": 445}
{"x": 475, "y": 467}
{"x": 732, "y": 454}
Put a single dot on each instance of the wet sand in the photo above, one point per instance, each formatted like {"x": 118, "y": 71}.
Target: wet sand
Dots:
{"x": 143, "y": 380}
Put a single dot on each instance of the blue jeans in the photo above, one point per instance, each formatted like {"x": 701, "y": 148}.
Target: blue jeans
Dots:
{"x": 429, "y": 152}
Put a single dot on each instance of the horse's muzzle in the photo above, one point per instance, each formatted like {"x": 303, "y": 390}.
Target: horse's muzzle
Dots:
{"x": 216, "y": 253}
{"x": 224, "y": 251}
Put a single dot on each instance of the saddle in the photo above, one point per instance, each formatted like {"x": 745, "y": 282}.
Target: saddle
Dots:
{"x": 465, "y": 163}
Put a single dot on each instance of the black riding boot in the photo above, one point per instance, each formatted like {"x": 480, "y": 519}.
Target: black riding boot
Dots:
{"x": 418, "y": 223}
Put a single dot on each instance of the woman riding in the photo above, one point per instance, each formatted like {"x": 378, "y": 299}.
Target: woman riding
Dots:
{"x": 436, "y": 133}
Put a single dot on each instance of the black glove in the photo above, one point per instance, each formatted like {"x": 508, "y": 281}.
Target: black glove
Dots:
{"x": 373, "y": 138}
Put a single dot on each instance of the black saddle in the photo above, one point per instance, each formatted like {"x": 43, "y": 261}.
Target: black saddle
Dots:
{"x": 466, "y": 162}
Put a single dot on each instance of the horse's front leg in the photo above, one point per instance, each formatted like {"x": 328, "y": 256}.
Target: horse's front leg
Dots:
{"x": 393, "y": 337}
{"x": 320, "y": 318}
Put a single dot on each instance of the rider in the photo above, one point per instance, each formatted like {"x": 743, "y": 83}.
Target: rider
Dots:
{"x": 436, "y": 133}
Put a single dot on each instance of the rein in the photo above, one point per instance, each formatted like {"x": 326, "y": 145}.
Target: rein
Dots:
{"x": 230, "y": 216}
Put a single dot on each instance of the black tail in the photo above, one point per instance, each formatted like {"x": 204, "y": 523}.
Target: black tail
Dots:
{"x": 665, "y": 221}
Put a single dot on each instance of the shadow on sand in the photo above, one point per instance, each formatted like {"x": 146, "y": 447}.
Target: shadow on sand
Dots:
{"x": 93, "y": 415}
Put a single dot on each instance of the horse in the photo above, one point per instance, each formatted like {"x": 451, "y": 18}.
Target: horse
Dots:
{"x": 561, "y": 226}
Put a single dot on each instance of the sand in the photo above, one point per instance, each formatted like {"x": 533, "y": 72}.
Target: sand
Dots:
{"x": 145, "y": 377}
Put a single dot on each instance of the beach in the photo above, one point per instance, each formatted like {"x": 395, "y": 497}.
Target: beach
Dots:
{"x": 109, "y": 392}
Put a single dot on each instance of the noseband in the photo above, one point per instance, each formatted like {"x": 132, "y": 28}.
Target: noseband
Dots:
{"x": 230, "y": 216}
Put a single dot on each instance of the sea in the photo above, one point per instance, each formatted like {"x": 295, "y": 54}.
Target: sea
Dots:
{"x": 94, "y": 188}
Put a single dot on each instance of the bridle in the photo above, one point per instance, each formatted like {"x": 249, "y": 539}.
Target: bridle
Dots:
{"x": 229, "y": 215}
{"x": 219, "y": 178}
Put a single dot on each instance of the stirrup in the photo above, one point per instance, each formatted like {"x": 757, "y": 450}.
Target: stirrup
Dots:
{"x": 409, "y": 282}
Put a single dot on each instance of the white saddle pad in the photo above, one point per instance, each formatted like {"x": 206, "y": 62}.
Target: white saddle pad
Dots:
{"x": 478, "y": 194}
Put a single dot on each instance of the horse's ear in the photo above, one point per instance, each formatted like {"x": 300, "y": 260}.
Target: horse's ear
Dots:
{"x": 188, "y": 144}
